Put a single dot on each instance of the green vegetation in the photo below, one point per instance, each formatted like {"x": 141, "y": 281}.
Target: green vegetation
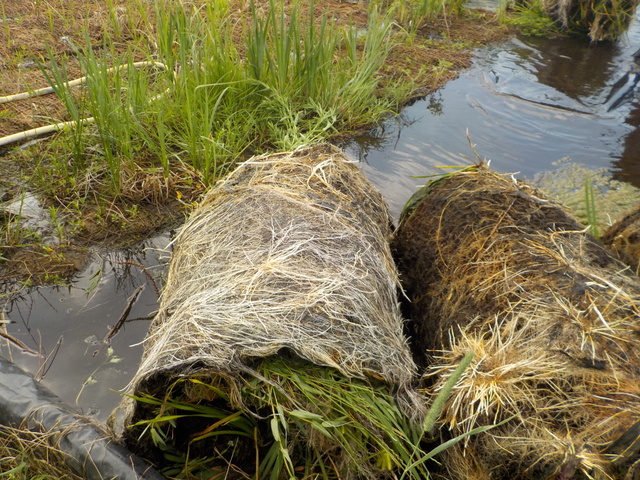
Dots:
{"x": 173, "y": 97}
{"x": 295, "y": 83}
{"x": 166, "y": 98}
{"x": 600, "y": 20}
{"x": 297, "y": 420}
{"x": 590, "y": 207}
{"x": 530, "y": 18}
{"x": 223, "y": 86}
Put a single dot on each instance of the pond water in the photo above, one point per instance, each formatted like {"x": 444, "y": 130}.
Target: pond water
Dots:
{"x": 525, "y": 105}
{"x": 68, "y": 326}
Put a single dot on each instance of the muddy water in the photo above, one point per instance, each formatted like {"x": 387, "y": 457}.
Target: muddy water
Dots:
{"x": 68, "y": 326}
{"x": 525, "y": 105}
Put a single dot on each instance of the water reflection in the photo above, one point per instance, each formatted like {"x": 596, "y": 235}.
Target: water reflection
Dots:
{"x": 574, "y": 67}
{"x": 68, "y": 325}
{"x": 379, "y": 137}
{"x": 525, "y": 105}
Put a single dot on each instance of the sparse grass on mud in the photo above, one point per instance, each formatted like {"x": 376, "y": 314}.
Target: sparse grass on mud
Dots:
{"x": 223, "y": 80}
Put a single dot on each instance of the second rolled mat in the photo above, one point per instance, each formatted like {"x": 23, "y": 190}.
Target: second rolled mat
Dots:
{"x": 493, "y": 267}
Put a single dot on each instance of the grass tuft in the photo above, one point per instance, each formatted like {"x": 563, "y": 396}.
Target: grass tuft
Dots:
{"x": 232, "y": 86}
{"x": 293, "y": 418}
{"x": 590, "y": 207}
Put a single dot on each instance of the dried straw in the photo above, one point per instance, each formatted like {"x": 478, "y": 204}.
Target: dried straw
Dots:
{"x": 289, "y": 253}
{"x": 493, "y": 267}
{"x": 623, "y": 238}
{"x": 26, "y": 453}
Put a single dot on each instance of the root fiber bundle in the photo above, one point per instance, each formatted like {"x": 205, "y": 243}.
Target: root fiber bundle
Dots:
{"x": 288, "y": 257}
{"x": 494, "y": 268}
{"x": 623, "y": 238}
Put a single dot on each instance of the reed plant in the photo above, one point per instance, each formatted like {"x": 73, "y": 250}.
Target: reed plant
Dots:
{"x": 605, "y": 19}
{"x": 231, "y": 86}
{"x": 209, "y": 110}
{"x": 590, "y": 207}
{"x": 115, "y": 100}
{"x": 109, "y": 104}
{"x": 56, "y": 75}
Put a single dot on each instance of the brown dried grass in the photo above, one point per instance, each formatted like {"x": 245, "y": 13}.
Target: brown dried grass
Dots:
{"x": 27, "y": 454}
{"x": 623, "y": 238}
{"x": 493, "y": 267}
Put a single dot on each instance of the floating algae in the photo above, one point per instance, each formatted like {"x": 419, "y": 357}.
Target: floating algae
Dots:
{"x": 493, "y": 267}
{"x": 566, "y": 184}
{"x": 286, "y": 260}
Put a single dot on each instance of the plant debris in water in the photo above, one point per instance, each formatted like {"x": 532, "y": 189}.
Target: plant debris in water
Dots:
{"x": 569, "y": 183}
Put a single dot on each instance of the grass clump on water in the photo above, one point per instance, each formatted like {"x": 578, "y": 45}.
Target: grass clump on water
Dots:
{"x": 599, "y": 20}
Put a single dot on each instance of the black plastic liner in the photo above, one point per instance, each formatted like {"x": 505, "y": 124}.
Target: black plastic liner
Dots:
{"x": 90, "y": 452}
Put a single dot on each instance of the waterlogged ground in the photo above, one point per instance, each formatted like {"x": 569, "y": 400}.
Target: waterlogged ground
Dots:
{"x": 66, "y": 327}
{"x": 68, "y": 283}
{"x": 33, "y": 33}
{"x": 539, "y": 108}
